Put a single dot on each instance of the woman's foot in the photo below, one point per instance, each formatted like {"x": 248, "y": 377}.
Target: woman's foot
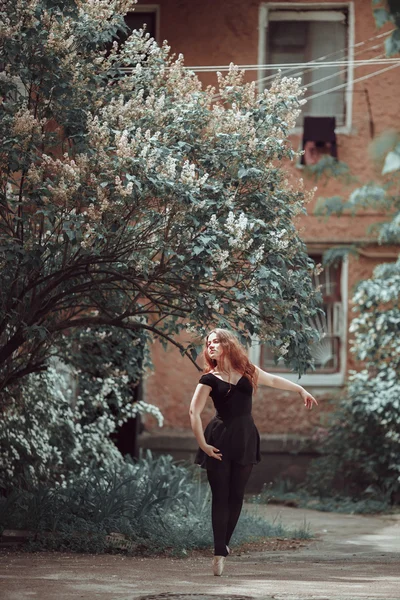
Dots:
{"x": 218, "y": 565}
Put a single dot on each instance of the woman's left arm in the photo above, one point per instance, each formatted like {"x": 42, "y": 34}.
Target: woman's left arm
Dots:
{"x": 281, "y": 383}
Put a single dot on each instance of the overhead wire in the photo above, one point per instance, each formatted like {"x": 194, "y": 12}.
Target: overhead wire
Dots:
{"x": 363, "y": 78}
{"x": 314, "y": 64}
{"x": 300, "y": 73}
{"x": 336, "y": 74}
{"x": 336, "y": 52}
{"x": 377, "y": 60}
{"x": 291, "y": 66}
{"x": 393, "y": 64}
{"x": 341, "y": 86}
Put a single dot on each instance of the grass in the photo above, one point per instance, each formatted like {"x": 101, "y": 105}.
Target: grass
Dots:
{"x": 154, "y": 506}
{"x": 285, "y": 492}
{"x": 252, "y": 527}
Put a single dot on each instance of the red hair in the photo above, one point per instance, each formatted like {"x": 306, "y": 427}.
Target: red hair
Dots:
{"x": 234, "y": 353}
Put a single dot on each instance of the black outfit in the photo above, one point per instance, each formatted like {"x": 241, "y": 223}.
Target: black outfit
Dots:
{"x": 233, "y": 432}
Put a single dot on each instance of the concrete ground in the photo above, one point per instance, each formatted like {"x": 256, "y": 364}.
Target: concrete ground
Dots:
{"x": 353, "y": 557}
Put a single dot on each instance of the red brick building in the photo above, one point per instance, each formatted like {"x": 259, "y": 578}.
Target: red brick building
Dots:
{"x": 349, "y": 79}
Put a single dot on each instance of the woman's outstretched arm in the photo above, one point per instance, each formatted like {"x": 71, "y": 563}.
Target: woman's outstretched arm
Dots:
{"x": 281, "y": 383}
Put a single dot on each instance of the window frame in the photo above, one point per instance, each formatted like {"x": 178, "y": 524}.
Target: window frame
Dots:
{"x": 314, "y": 8}
{"x": 319, "y": 380}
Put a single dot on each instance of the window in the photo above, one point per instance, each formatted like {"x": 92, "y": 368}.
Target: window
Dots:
{"x": 329, "y": 353}
{"x": 319, "y": 139}
{"x": 147, "y": 16}
{"x": 304, "y": 34}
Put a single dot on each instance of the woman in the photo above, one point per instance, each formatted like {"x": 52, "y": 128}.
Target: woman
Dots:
{"x": 230, "y": 445}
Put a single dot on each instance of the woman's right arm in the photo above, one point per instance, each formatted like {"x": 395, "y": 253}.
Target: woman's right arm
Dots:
{"x": 196, "y": 408}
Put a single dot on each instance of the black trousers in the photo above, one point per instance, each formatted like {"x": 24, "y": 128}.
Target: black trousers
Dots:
{"x": 228, "y": 485}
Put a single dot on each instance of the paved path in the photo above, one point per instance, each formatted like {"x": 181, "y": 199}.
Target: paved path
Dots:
{"x": 353, "y": 557}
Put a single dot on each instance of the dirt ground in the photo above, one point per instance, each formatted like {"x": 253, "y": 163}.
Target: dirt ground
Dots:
{"x": 352, "y": 557}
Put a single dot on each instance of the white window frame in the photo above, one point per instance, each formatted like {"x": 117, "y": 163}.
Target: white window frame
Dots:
{"x": 314, "y": 9}
{"x": 319, "y": 380}
{"x": 155, "y": 8}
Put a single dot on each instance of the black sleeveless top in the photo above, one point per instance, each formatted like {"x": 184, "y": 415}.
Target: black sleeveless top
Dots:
{"x": 232, "y": 430}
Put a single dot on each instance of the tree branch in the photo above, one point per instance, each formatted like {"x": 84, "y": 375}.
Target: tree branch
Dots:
{"x": 98, "y": 321}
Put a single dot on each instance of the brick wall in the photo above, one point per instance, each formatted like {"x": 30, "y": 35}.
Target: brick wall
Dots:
{"x": 216, "y": 32}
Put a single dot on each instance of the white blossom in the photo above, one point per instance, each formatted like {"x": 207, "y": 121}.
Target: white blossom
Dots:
{"x": 239, "y": 230}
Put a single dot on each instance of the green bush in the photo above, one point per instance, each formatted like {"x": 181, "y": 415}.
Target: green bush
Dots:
{"x": 153, "y": 506}
{"x": 360, "y": 451}
{"x": 48, "y": 433}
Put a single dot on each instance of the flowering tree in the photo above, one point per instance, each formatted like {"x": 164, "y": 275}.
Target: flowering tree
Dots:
{"x": 132, "y": 198}
{"x": 133, "y": 204}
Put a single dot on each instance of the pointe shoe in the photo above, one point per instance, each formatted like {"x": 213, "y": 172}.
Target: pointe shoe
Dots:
{"x": 218, "y": 565}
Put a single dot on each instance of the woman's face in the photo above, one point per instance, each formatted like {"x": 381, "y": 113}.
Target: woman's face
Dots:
{"x": 214, "y": 346}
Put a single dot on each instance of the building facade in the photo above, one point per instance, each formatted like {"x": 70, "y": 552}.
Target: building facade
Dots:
{"x": 352, "y": 93}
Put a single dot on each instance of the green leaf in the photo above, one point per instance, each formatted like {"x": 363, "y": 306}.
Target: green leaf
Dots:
{"x": 392, "y": 162}
{"x": 338, "y": 253}
{"x": 329, "y": 206}
{"x": 383, "y": 143}
{"x": 381, "y": 17}
{"x": 392, "y": 43}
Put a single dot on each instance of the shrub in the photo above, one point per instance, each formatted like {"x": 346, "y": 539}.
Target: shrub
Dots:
{"x": 46, "y": 436}
{"x": 154, "y": 505}
{"x": 362, "y": 447}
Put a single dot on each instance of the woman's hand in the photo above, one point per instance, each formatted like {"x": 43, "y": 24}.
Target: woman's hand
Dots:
{"x": 212, "y": 452}
{"x": 308, "y": 399}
